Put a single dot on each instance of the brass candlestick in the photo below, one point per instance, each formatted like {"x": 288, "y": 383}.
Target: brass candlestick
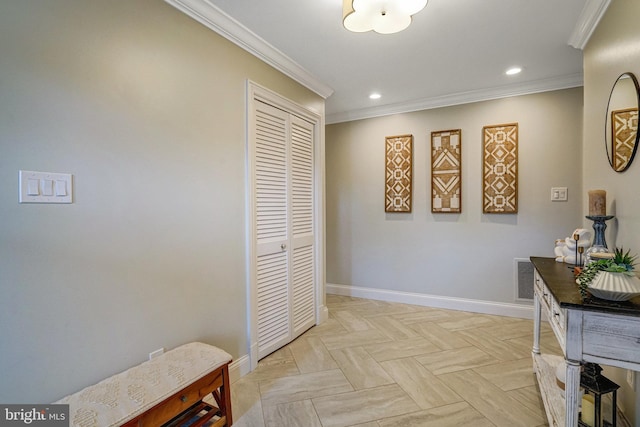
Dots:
{"x": 580, "y": 251}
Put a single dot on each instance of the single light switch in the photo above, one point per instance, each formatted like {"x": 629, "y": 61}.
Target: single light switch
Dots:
{"x": 61, "y": 188}
{"x": 47, "y": 187}
{"x": 33, "y": 187}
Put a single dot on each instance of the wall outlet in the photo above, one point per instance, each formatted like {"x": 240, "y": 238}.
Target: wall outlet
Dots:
{"x": 631, "y": 379}
{"x": 156, "y": 353}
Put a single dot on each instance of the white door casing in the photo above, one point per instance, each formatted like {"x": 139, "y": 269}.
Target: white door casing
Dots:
{"x": 285, "y": 222}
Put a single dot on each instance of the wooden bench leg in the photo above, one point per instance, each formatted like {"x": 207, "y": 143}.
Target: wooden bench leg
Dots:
{"x": 223, "y": 397}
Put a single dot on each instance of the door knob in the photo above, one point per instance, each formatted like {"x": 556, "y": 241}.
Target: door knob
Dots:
{"x": 283, "y": 246}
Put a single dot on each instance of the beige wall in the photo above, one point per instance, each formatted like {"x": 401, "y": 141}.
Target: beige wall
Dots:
{"x": 146, "y": 108}
{"x": 613, "y": 49}
{"x": 468, "y": 255}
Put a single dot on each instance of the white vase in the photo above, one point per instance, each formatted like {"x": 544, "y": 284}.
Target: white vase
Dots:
{"x": 614, "y": 286}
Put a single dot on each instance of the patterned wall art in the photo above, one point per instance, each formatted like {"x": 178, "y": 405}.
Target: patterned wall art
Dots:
{"x": 500, "y": 169}
{"x": 624, "y": 130}
{"x": 398, "y": 173}
{"x": 446, "y": 171}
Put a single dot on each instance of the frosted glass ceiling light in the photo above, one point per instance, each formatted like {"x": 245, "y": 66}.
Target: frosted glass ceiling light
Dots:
{"x": 513, "y": 71}
{"x": 381, "y": 16}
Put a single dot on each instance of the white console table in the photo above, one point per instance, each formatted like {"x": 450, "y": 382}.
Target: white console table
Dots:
{"x": 590, "y": 330}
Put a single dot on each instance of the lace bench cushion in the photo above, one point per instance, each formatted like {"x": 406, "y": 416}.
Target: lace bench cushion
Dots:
{"x": 124, "y": 396}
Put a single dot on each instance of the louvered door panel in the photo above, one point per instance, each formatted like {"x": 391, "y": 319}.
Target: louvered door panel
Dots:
{"x": 302, "y": 225}
{"x": 271, "y": 174}
{"x": 302, "y": 178}
{"x": 271, "y": 222}
{"x": 303, "y": 289}
{"x": 273, "y": 302}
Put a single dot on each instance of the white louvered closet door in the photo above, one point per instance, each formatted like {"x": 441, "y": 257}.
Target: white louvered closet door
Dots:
{"x": 283, "y": 220}
{"x": 302, "y": 238}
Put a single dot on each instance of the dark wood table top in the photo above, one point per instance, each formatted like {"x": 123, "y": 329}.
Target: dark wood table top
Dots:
{"x": 561, "y": 282}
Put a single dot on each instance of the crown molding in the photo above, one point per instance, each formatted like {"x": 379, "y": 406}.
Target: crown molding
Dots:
{"x": 587, "y": 22}
{"x": 545, "y": 85}
{"x": 215, "y": 19}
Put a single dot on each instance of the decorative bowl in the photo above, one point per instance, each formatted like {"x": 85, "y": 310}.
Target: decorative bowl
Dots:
{"x": 614, "y": 286}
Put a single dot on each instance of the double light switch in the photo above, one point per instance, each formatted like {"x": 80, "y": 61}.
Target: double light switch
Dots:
{"x": 45, "y": 187}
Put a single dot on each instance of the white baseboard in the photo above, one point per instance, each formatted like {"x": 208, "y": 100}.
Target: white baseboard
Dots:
{"x": 425, "y": 300}
{"x": 239, "y": 368}
{"x": 323, "y": 313}
{"x": 242, "y": 366}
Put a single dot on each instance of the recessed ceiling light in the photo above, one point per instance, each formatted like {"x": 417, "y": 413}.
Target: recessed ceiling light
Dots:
{"x": 513, "y": 70}
{"x": 375, "y": 96}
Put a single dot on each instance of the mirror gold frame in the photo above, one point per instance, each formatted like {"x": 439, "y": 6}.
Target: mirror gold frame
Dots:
{"x": 621, "y": 129}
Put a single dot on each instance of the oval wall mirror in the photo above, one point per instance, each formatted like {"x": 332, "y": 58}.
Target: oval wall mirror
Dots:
{"x": 622, "y": 122}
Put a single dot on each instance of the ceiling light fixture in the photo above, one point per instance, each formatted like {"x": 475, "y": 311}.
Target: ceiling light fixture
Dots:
{"x": 513, "y": 70}
{"x": 375, "y": 96}
{"x": 381, "y": 16}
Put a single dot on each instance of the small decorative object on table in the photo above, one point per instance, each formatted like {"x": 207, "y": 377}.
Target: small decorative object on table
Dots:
{"x": 610, "y": 278}
{"x": 577, "y": 265}
{"x": 598, "y": 214}
{"x": 570, "y": 249}
{"x": 599, "y": 242}
{"x": 597, "y": 203}
{"x": 578, "y": 268}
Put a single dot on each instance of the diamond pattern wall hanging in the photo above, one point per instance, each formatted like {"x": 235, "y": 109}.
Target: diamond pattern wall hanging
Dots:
{"x": 398, "y": 173}
{"x": 624, "y": 130}
{"x": 446, "y": 171}
{"x": 500, "y": 169}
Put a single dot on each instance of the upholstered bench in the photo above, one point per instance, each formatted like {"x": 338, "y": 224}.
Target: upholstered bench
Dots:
{"x": 168, "y": 389}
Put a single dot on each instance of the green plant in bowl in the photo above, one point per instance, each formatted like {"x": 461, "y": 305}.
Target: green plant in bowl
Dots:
{"x": 622, "y": 262}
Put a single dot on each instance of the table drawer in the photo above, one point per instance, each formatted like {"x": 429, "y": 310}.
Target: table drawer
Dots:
{"x": 538, "y": 283}
{"x": 558, "y": 316}
{"x": 544, "y": 295}
{"x": 612, "y": 338}
{"x": 557, "y": 319}
{"x": 555, "y": 315}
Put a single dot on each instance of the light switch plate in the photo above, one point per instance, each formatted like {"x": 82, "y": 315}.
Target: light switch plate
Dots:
{"x": 559, "y": 194}
{"x": 45, "y": 187}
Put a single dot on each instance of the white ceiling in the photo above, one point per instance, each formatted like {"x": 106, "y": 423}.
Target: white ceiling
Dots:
{"x": 455, "y": 51}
